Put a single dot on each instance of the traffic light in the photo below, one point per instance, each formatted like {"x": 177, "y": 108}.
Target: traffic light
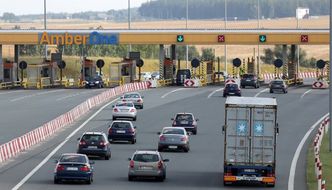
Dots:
{"x": 180, "y": 38}
{"x": 262, "y": 38}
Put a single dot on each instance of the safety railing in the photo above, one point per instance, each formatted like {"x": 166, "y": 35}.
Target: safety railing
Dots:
{"x": 45, "y": 82}
{"x": 165, "y": 82}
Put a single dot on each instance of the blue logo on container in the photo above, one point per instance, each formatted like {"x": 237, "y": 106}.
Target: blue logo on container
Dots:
{"x": 241, "y": 128}
{"x": 258, "y": 129}
{"x": 96, "y": 38}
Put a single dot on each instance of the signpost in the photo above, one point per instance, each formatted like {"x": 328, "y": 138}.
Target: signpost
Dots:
{"x": 262, "y": 38}
{"x": 180, "y": 38}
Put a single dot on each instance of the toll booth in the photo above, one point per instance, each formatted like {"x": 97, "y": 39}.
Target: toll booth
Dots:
{"x": 9, "y": 71}
{"x": 169, "y": 69}
{"x": 42, "y": 75}
{"x": 122, "y": 72}
{"x": 89, "y": 68}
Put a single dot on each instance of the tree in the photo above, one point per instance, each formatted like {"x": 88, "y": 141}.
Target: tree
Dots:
{"x": 9, "y": 17}
{"x": 207, "y": 54}
{"x": 192, "y": 52}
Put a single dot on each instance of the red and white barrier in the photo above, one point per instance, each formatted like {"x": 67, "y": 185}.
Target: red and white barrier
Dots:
{"x": 190, "y": 83}
{"x": 320, "y": 84}
{"x": 270, "y": 76}
{"x": 24, "y": 142}
{"x": 323, "y": 129}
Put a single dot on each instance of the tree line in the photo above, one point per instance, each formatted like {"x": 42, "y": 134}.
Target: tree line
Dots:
{"x": 242, "y": 10}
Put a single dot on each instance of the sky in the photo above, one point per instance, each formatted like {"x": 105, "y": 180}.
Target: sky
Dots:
{"x": 20, "y": 7}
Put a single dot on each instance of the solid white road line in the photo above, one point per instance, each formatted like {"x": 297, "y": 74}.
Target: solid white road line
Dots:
{"x": 266, "y": 89}
{"x": 212, "y": 93}
{"x": 30, "y": 174}
{"x": 306, "y": 93}
{"x": 168, "y": 93}
{"x": 37, "y": 94}
{"x": 10, "y": 92}
{"x": 292, "y": 171}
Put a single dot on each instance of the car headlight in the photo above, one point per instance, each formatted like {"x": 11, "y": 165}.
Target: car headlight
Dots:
{"x": 97, "y": 82}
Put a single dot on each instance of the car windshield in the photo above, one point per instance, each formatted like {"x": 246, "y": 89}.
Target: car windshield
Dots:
{"x": 124, "y": 104}
{"x": 248, "y": 76}
{"x": 173, "y": 131}
{"x": 146, "y": 158}
{"x": 131, "y": 96}
{"x": 231, "y": 85}
{"x": 277, "y": 82}
{"x": 73, "y": 158}
{"x": 92, "y": 137}
{"x": 121, "y": 125}
{"x": 186, "y": 117}
{"x": 155, "y": 73}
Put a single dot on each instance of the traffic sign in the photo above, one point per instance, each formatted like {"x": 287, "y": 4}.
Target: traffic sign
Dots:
{"x": 195, "y": 63}
{"x": 23, "y": 65}
{"x": 100, "y": 63}
{"x": 278, "y": 63}
{"x": 320, "y": 64}
{"x": 140, "y": 63}
{"x": 237, "y": 62}
{"x": 262, "y": 38}
{"x": 221, "y": 38}
{"x": 304, "y": 38}
{"x": 180, "y": 38}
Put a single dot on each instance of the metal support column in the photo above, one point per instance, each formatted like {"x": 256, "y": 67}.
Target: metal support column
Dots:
{"x": 285, "y": 60}
{"x": 16, "y": 58}
{"x": 330, "y": 74}
{"x": 161, "y": 60}
{"x": 1, "y": 65}
{"x": 173, "y": 57}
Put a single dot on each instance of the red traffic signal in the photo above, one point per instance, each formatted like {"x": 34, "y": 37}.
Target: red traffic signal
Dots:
{"x": 304, "y": 38}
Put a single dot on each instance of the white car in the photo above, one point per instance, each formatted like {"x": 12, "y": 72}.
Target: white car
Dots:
{"x": 124, "y": 110}
{"x": 145, "y": 75}
{"x": 134, "y": 97}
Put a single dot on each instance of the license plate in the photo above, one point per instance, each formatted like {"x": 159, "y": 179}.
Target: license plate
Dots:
{"x": 248, "y": 80}
{"x": 72, "y": 169}
{"x": 92, "y": 84}
{"x": 121, "y": 132}
{"x": 249, "y": 170}
{"x": 125, "y": 110}
{"x": 92, "y": 147}
{"x": 250, "y": 178}
{"x": 145, "y": 168}
{"x": 232, "y": 93}
{"x": 172, "y": 147}
{"x": 184, "y": 122}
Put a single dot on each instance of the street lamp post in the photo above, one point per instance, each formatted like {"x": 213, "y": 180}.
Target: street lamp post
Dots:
{"x": 187, "y": 17}
{"x": 129, "y": 22}
{"x": 258, "y": 26}
{"x": 225, "y": 48}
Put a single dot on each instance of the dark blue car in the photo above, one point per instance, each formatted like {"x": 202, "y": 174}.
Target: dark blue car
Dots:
{"x": 232, "y": 89}
{"x": 122, "y": 131}
{"x": 73, "y": 167}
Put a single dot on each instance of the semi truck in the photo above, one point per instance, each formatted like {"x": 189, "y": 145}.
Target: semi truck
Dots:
{"x": 250, "y": 140}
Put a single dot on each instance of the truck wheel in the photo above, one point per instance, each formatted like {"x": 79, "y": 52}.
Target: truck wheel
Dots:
{"x": 271, "y": 91}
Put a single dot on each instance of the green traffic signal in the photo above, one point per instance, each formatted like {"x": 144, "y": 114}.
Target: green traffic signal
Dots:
{"x": 180, "y": 38}
{"x": 262, "y": 38}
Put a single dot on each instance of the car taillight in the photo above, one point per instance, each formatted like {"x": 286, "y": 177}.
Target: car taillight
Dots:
{"x": 131, "y": 164}
{"x": 270, "y": 174}
{"x": 131, "y": 130}
{"x": 160, "y": 165}
{"x": 183, "y": 138}
{"x": 228, "y": 172}
{"x": 139, "y": 100}
{"x": 115, "y": 110}
{"x": 82, "y": 143}
{"x": 162, "y": 138}
{"x": 124, "y": 100}
{"x": 60, "y": 168}
{"x": 174, "y": 123}
{"x": 102, "y": 143}
{"x": 110, "y": 131}
{"x": 85, "y": 168}
{"x": 132, "y": 110}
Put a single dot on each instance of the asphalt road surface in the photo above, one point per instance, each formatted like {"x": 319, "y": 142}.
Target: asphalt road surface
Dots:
{"x": 201, "y": 168}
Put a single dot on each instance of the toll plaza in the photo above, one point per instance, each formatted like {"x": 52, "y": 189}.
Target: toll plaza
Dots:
{"x": 126, "y": 71}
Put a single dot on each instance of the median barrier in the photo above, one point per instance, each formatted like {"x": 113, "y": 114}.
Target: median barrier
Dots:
{"x": 323, "y": 129}
{"x": 14, "y": 147}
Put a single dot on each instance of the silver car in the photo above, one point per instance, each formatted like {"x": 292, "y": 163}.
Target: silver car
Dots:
{"x": 124, "y": 110}
{"x": 134, "y": 97}
{"x": 173, "y": 138}
{"x": 145, "y": 163}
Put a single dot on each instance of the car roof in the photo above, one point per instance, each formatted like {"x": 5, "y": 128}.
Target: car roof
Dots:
{"x": 131, "y": 93}
{"x": 173, "y": 128}
{"x": 93, "y": 133}
{"x": 72, "y": 154}
{"x": 122, "y": 121}
{"x": 146, "y": 152}
{"x": 184, "y": 113}
{"x": 277, "y": 80}
{"x": 120, "y": 102}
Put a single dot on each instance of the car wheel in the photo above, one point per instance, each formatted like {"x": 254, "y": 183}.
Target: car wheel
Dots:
{"x": 114, "y": 118}
{"x": 130, "y": 178}
{"x": 186, "y": 149}
{"x": 89, "y": 181}
{"x": 56, "y": 180}
{"x": 224, "y": 95}
{"x": 284, "y": 91}
{"x": 243, "y": 86}
{"x": 160, "y": 149}
{"x": 270, "y": 185}
{"x": 141, "y": 106}
{"x": 271, "y": 91}
{"x": 107, "y": 157}
{"x": 195, "y": 132}
{"x": 161, "y": 179}
{"x": 135, "y": 118}
{"x": 133, "y": 141}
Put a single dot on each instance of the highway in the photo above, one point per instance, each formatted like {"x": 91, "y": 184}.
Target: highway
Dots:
{"x": 24, "y": 110}
{"x": 201, "y": 168}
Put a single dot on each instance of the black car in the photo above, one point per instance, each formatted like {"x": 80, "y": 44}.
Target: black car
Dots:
{"x": 122, "y": 131}
{"x": 232, "y": 89}
{"x": 278, "y": 85}
{"x": 95, "y": 81}
{"x": 72, "y": 167}
{"x": 94, "y": 144}
{"x": 249, "y": 80}
{"x": 181, "y": 75}
{"x": 187, "y": 121}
